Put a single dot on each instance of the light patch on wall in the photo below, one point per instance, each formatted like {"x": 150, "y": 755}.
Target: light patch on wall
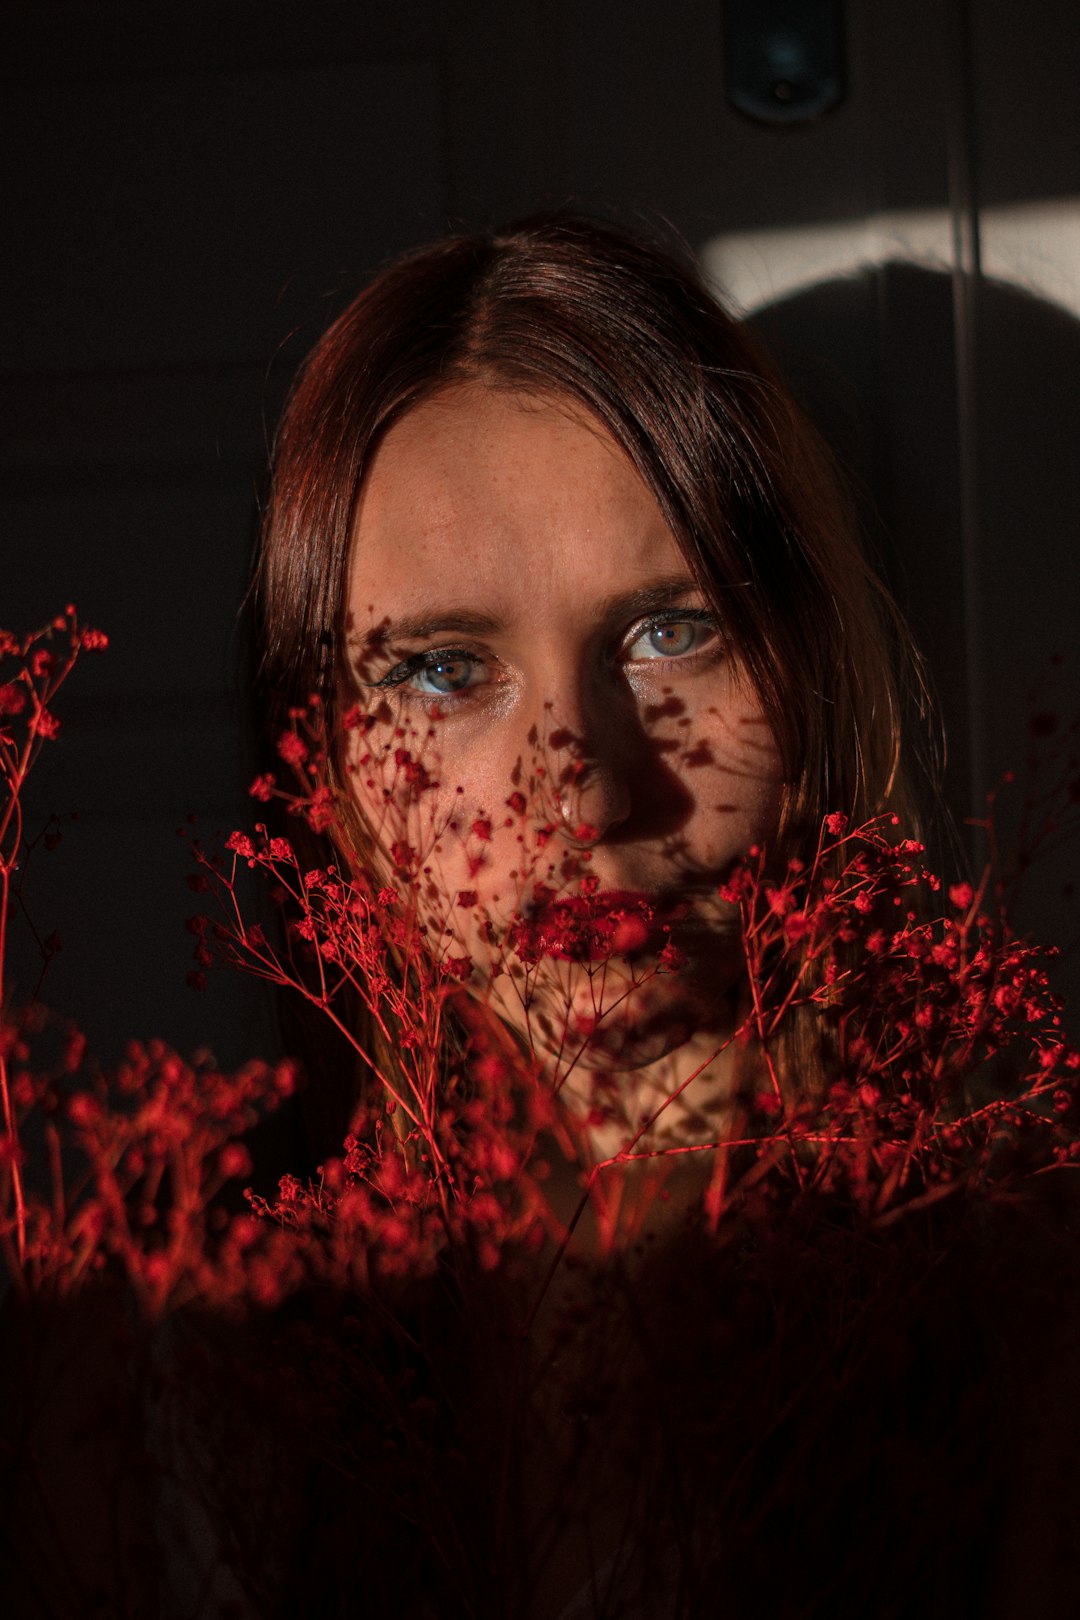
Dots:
{"x": 1033, "y": 245}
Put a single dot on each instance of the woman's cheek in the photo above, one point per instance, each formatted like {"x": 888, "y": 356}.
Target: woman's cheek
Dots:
{"x": 746, "y": 787}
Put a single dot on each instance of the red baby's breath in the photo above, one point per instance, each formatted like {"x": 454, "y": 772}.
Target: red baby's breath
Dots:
{"x": 45, "y": 724}
{"x": 292, "y": 748}
{"x": 262, "y": 788}
{"x": 934, "y": 1047}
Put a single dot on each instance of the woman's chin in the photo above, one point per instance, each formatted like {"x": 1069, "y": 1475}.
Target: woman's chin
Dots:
{"x": 627, "y": 1031}
{"x": 617, "y": 1050}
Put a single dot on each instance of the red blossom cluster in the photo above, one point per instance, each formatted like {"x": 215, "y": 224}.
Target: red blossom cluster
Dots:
{"x": 136, "y": 1167}
{"x": 909, "y": 1009}
{"x": 931, "y": 1046}
{"x": 592, "y": 927}
{"x": 33, "y": 668}
{"x": 942, "y": 1037}
{"x": 440, "y": 1159}
{"x": 383, "y": 1210}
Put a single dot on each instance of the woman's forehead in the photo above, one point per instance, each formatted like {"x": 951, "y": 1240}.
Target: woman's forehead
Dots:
{"x": 489, "y": 488}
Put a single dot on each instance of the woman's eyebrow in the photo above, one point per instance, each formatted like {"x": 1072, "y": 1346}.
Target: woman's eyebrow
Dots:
{"x": 430, "y": 621}
{"x": 659, "y": 593}
{"x": 668, "y": 591}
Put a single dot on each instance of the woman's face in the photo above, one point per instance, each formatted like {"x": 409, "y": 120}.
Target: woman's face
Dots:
{"x": 547, "y": 697}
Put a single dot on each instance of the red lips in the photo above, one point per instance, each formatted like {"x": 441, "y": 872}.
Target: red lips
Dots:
{"x": 591, "y": 927}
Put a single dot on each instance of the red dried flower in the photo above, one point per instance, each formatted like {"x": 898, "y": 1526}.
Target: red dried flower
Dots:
{"x": 45, "y": 724}
{"x": 292, "y": 748}
{"x": 631, "y": 934}
{"x": 234, "y": 1161}
{"x": 262, "y": 788}
{"x": 320, "y": 811}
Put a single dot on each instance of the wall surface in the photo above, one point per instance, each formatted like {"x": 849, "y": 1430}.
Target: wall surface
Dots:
{"x": 192, "y": 188}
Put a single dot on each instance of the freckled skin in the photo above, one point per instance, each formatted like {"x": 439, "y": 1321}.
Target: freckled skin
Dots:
{"x": 642, "y": 738}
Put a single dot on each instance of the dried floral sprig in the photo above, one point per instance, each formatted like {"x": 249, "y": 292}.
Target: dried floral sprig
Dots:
{"x": 942, "y": 1038}
{"x": 943, "y": 1045}
{"x": 33, "y": 668}
{"x": 936, "y": 1063}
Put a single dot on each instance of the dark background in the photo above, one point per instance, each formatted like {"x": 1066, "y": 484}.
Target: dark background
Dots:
{"x": 193, "y": 188}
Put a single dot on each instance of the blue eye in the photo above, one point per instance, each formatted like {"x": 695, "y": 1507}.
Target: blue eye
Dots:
{"x": 673, "y": 637}
{"x": 439, "y": 673}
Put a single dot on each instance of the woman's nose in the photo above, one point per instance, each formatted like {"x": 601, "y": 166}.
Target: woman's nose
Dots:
{"x": 583, "y": 749}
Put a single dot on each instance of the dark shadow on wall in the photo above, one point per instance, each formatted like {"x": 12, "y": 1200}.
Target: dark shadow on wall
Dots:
{"x": 872, "y": 358}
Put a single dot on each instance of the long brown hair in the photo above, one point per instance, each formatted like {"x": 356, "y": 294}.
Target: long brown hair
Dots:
{"x": 570, "y": 306}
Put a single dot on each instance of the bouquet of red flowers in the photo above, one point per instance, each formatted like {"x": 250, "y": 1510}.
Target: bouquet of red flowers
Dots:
{"x": 515, "y": 1348}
